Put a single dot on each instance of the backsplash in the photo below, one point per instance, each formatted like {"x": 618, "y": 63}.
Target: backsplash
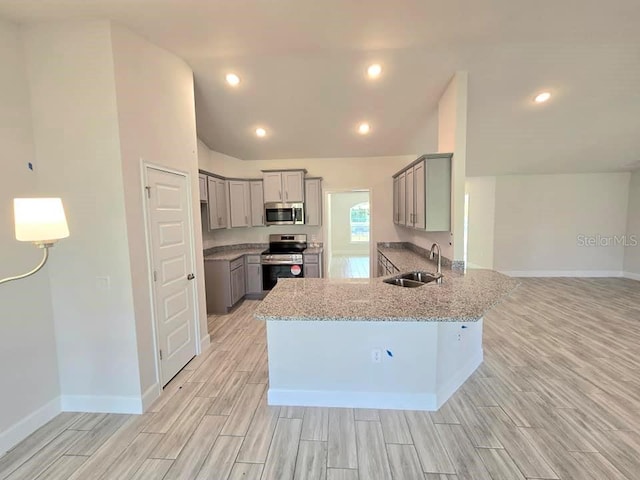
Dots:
{"x": 423, "y": 252}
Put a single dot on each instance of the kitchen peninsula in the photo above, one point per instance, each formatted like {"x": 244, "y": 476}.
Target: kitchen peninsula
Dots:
{"x": 367, "y": 344}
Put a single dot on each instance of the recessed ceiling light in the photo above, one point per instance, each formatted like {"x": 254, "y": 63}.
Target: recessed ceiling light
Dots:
{"x": 261, "y": 132}
{"x": 232, "y": 79}
{"x": 542, "y": 97}
{"x": 374, "y": 70}
{"x": 364, "y": 128}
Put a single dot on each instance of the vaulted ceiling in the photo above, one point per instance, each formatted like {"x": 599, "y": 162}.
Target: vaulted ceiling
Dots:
{"x": 302, "y": 65}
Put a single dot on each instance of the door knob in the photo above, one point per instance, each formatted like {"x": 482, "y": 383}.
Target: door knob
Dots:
{"x": 191, "y": 276}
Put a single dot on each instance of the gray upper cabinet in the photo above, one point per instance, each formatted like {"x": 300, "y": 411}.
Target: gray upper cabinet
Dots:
{"x": 402, "y": 199}
{"x": 293, "y": 186}
{"x": 272, "y": 187}
{"x": 239, "y": 203}
{"x": 396, "y": 200}
{"x": 217, "y": 193}
{"x": 257, "y": 203}
{"x": 313, "y": 201}
{"x": 419, "y": 196}
{"x": 410, "y": 203}
{"x": 438, "y": 194}
{"x": 284, "y": 186}
{"x": 202, "y": 183}
{"x": 422, "y": 192}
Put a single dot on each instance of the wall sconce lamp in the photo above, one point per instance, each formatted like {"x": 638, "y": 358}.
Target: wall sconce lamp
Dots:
{"x": 41, "y": 221}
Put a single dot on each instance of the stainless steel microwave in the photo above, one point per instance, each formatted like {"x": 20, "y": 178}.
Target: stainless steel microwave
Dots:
{"x": 284, "y": 213}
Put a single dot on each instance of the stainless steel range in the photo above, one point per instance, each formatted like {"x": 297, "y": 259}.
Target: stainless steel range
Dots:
{"x": 283, "y": 259}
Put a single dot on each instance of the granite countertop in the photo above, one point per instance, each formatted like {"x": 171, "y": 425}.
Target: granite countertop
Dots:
{"x": 312, "y": 250}
{"x": 461, "y": 297}
{"x": 231, "y": 255}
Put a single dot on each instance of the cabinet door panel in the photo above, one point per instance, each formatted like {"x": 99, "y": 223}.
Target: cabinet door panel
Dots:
{"x": 313, "y": 202}
{"x": 419, "y": 195}
{"x": 293, "y": 184}
{"x": 312, "y": 270}
{"x": 401, "y": 198}
{"x": 254, "y": 278}
{"x": 202, "y": 184}
{"x": 239, "y": 203}
{"x": 409, "y": 199}
{"x": 396, "y": 204}
{"x": 221, "y": 202}
{"x": 272, "y": 187}
{"x": 237, "y": 285}
{"x": 212, "y": 207}
{"x": 257, "y": 204}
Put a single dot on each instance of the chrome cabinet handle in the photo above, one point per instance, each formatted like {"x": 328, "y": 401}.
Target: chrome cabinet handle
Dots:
{"x": 191, "y": 276}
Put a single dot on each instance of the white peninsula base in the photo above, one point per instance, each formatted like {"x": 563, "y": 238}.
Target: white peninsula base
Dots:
{"x": 336, "y": 363}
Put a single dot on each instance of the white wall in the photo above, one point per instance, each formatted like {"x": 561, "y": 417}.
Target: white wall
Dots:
{"x": 452, "y": 137}
{"x": 156, "y": 114}
{"x": 632, "y": 252}
{"x": 539, "y": 218}
{"x": 481, "y": 226}
{"x": 28, "y": 364}
{"x": 73, "y": 95}
{"x": 341, "y": 204}
{"x": 369, "y": 173}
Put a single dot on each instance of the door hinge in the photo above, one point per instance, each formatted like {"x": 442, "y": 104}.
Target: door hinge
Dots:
{"x": 148, "y": 189}
{"x": 160, "y": 354}
{"x": 155, "y": 276}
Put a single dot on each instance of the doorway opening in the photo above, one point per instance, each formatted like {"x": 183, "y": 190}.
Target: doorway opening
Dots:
{"x": 349, "y": 234}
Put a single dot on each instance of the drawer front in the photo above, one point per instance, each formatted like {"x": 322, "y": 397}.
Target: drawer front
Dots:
{"x": 237, "y": 263}
{"x": 253, "y": 258}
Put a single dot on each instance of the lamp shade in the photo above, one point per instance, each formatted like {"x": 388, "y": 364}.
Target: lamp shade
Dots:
{"x": 39, "y": 219}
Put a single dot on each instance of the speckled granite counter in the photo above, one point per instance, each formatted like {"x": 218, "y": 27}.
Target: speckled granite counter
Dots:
{"x": 230, "y": 255}
{"x": 462, "y": 296}
{"x": 313, "y": 250}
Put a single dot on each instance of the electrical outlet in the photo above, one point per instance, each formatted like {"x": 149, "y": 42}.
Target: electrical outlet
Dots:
{"x": 376, "y": 355}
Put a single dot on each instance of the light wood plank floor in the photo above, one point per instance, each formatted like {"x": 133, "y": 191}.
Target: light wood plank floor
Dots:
{"x": 558, "y": 397}
{"x": 349, "y": 266}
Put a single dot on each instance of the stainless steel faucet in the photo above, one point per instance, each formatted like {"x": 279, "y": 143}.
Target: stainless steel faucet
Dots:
{"x": 431, "y": 255}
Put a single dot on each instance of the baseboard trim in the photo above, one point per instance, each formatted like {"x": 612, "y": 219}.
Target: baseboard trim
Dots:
{"x": 564, "y": 273}
{"x": 632, "y": 276}
{"x": 205, "y": 342}
{"x": 101, "y": 404}
{"x": 150, "y": 395}
{"x": 316, "y": 398}
{"x": 461, "y": 376}
{"x": 29, "y": 424}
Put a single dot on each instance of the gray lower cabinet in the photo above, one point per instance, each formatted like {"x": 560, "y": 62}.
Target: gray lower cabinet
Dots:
{"x": 225, "y": 284}
{"x": 253, "y": 275}
{"x": 312, "y": 265}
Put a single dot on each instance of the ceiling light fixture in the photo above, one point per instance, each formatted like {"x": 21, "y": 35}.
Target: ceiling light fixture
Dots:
{"x": 374, "y": 70}
{"x": 232, "y": 79}
{"x": 542, "y": 97}
{"x": 364, "y": 128}
{"x": 261, "y": 132}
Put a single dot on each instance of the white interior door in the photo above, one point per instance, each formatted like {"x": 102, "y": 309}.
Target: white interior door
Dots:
{"x": 172, "y": 264}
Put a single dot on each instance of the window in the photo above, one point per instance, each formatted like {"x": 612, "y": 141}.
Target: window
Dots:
{"x": 359, "y": 220}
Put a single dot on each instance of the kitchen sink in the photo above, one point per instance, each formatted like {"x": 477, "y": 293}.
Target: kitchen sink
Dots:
{"x": 423, "y": 277}
{"x": 413, "y": 279}
{"x": 403, "y": 282}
